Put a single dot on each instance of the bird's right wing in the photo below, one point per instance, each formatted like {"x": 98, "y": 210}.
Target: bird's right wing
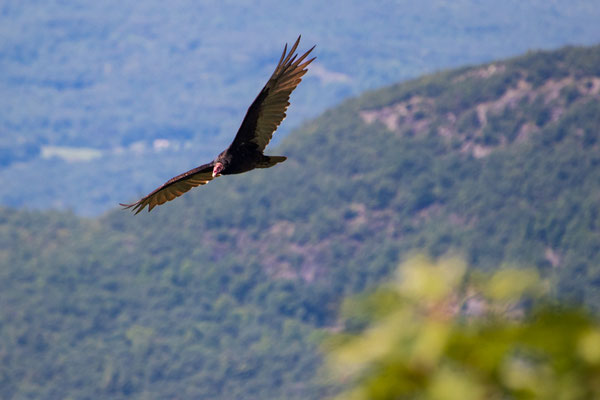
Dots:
{"x": 268, "y": 109}
{"x": 174, "y": 187}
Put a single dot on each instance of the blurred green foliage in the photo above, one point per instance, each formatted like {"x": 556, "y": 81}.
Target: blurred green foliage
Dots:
{"x": 436, "y": 333}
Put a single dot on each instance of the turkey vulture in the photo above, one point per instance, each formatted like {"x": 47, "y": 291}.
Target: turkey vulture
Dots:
{"x": 246, "y": 151}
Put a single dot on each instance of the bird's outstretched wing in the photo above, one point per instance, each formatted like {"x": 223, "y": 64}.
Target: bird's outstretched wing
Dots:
{"x": 174, "y": 187}
{"x": 268, "y": 109}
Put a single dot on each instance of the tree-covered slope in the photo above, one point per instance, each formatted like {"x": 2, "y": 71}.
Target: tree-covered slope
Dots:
{"x": 223, "y": 292}
{"x": 94, "y": 92}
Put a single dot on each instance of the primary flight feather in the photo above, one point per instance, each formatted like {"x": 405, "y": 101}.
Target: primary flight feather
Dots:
{"x": 246, "y": 151}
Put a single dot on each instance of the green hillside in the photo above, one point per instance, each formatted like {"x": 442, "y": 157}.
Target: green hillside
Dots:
{"x": 226, "y": 292}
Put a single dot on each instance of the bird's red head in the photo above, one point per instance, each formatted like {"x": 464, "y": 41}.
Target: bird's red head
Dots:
{"x": 217, "y": 169}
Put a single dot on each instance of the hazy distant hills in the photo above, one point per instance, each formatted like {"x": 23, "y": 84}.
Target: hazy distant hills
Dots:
{"x": 225, "y": 292}
{"x": 103, "y": 101}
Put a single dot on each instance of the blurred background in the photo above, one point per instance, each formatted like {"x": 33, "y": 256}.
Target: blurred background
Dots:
{"x": 444, "y": 127}
{"x": 95, "y": 92}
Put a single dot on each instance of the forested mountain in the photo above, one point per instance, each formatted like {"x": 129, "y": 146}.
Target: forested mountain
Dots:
{"x": 225, "y": 292}
{"x": 93, "y": 92}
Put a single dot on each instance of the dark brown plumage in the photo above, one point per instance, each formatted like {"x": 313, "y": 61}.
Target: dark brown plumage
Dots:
{"x": 246, "y": 151}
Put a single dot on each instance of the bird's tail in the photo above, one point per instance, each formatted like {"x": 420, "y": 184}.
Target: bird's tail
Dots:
{"x": 269, "y": 161}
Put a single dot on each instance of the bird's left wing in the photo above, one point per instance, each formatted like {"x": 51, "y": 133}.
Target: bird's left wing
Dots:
{"x": 268, "y": 109}
{"x": 174, "y": 187}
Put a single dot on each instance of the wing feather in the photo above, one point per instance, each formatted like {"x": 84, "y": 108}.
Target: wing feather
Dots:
{"x": 268, "y": 109}
{"x": 174, "y": 188}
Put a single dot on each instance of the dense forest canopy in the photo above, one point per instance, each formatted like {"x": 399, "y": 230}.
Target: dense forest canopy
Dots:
{"x": 227, "y": 292}
{"x": 94, "y": 93}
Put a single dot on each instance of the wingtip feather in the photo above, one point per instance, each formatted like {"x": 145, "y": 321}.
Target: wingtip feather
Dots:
{"x": 282, "y": 54}
{"x": 305, "y": 64}
{"x": 292, "y": 51}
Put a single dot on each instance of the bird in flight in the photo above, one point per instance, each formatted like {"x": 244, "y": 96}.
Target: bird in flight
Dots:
{"x": 246, "y": 151}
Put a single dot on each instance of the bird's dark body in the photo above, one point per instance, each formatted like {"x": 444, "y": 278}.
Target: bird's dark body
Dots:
{"x": 245, "y": 153}
{"x": 240, "y": 166}
{"x": 245, "y": 158}
{"x": 239, "y": 159}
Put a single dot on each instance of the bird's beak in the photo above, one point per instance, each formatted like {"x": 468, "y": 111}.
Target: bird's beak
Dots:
{"x": 217, "y": 169}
